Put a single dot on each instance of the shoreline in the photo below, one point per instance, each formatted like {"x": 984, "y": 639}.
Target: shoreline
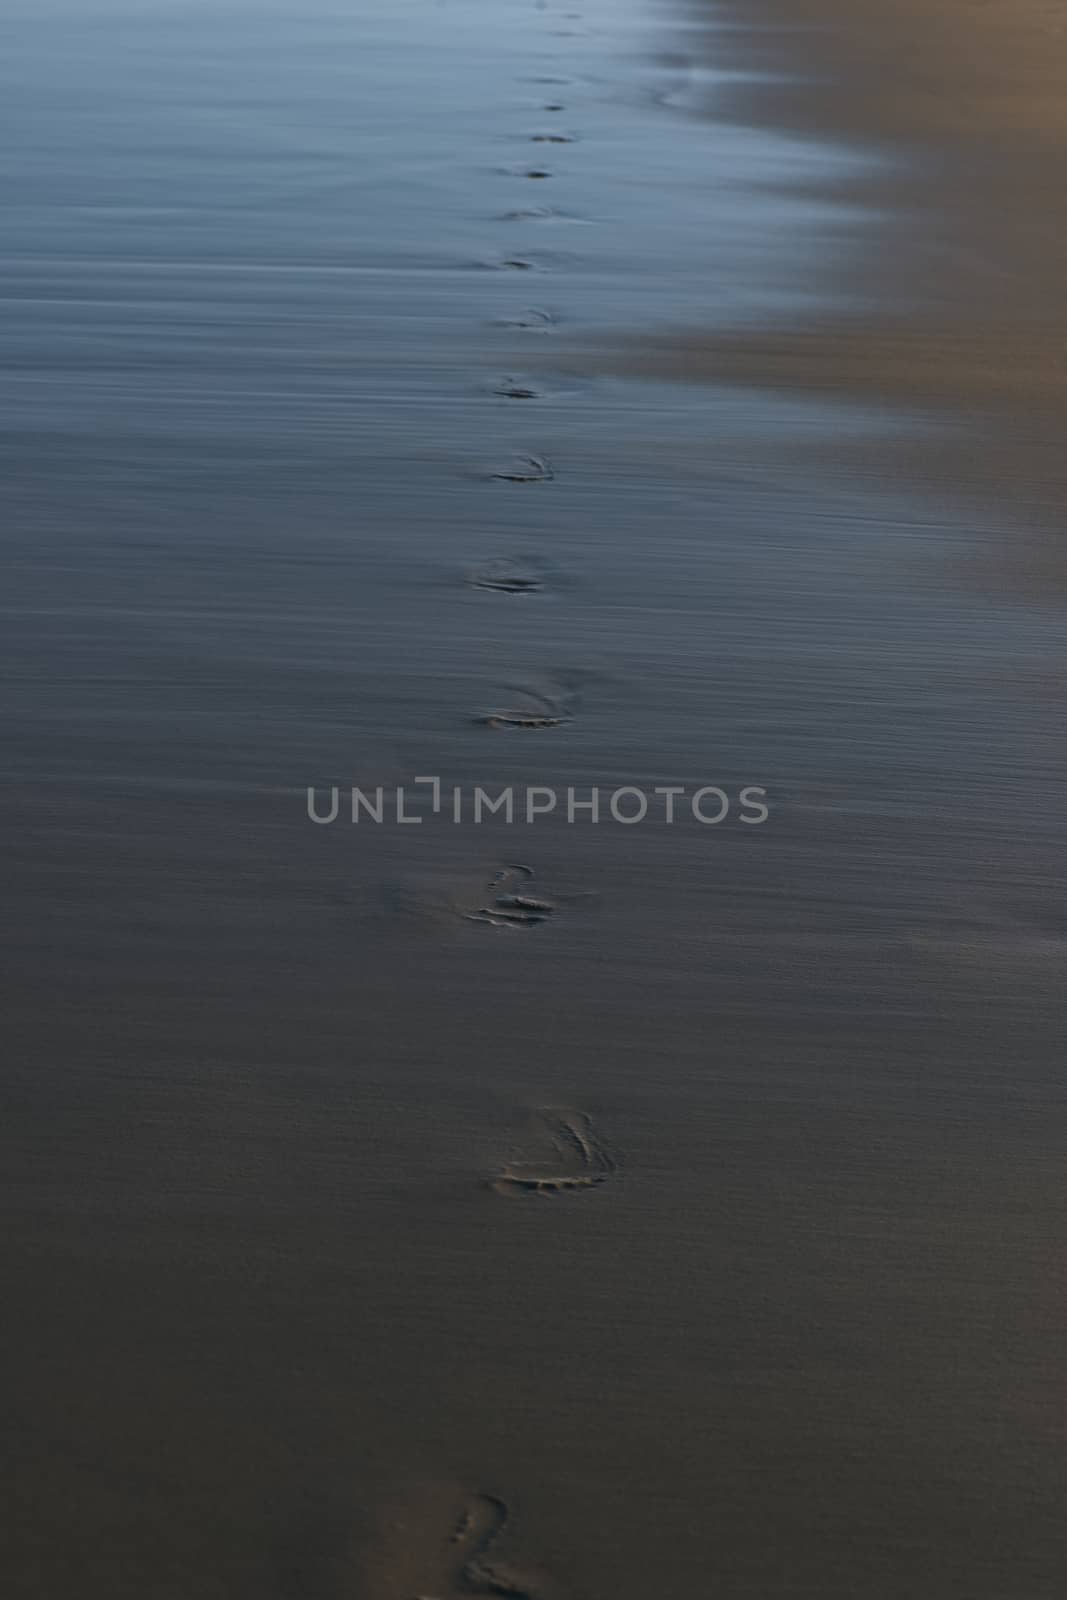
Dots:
{"x": 973, "y": 71}
{"x": 954, "y": 285}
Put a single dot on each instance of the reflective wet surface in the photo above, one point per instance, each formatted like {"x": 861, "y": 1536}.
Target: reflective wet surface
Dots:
{"x": 450, "y": 389}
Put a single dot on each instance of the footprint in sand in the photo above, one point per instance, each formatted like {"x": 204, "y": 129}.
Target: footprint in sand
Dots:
{"x": 533, "y": 320}
{"x": 507, "y": 902}
{"x": 515, "y": 717}
{"x": 524, "y": 469}
{"x": 536, "y": 173}
{"x": 515, "y": 389}
{"x": 501, "y": 897}
{"x": 471, "y": 1565}
{"x": 532, "y": 708}
{"x": 550, "y": 216}
{"x": 579, "y": 1161}
{"x": 566, "y": 387}
{"x": 503, "y": 576}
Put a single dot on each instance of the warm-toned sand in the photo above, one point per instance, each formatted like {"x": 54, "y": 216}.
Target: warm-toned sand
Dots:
{"x": 963, "y": 283}
{"x": 972, "y": 70}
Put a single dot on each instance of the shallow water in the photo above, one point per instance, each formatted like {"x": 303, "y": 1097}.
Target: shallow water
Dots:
{"x": 281, "y": 1325}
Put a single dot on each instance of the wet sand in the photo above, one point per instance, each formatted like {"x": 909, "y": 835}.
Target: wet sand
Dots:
{"x": 704, "y": 1235}
{"x": 956, "y": 309}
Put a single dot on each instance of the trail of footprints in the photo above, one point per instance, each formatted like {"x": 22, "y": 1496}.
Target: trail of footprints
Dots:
{"x": 503, "y": 575}
{"x": 470, "y": 1561}
{"x": 508, "y": 901}
{"x": 576, "y": 1160}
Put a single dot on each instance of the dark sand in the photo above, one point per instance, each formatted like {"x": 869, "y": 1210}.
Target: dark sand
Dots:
{"x": 289, "y": 1312}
